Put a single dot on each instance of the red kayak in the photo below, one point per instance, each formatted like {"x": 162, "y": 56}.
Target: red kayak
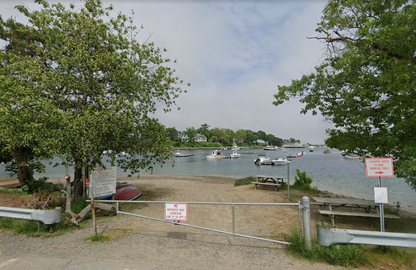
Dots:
{"x": 127, "y": 193}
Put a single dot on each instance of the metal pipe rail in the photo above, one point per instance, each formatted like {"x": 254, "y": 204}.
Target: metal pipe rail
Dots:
{"x": 46, "y": 216}
{"x": 327, "y": 237}
{"x": 208, "y": 203}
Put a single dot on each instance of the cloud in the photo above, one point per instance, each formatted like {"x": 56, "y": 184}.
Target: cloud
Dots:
{"x": 234, "y": 53}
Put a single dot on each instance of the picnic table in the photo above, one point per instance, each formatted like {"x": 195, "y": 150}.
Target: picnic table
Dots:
{"x": 371, "y": 209}
{"x": 266, "y": 180}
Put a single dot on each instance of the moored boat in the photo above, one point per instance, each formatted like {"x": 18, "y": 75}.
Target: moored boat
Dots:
{"x": 235, "y": 154}
{"x": 280, "y": 161}
{"x": 263, "y": 161}
{"x": 217, "y": 154}
{"x": 179, "y": 154}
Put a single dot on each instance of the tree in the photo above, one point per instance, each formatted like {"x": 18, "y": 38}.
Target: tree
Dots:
{"x": 204, "y": 130}
{"x": 366, "y": 85}
{"x": 262, "y": 135}
{"x": 172, "y": 133}
{"x": 240, "y": 135}
{"x": 26, "y": 123}
{"x": 251, "y": 137}
{"x": 217, "y": 134}
{"x": 95, "y": 84}
{"x": 190, "y": 132}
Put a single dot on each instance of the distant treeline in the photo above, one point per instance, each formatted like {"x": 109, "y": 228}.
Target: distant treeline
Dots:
{"x": 223, "y": 136}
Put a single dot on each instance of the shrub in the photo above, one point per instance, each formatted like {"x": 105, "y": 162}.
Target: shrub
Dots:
{"x": 244, "y": 181}
{"x": 302, "y": 181}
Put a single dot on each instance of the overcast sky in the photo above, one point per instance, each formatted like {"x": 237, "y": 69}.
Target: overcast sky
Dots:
{"x": 234, "y": 54}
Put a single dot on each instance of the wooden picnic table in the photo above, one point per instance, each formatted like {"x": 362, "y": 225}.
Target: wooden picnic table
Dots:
{"x": 371, "y": 208}
{"x": 266, "y": 180}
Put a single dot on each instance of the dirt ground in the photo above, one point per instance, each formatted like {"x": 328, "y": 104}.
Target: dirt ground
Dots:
{"x": 182, "y": 245}
{"x": 275, "y": 220}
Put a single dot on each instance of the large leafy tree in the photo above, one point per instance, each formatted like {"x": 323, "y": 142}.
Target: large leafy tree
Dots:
{"x": 97, "y": 84}
{"x": 27, "y": 119}
{"x": 367, "y": 84}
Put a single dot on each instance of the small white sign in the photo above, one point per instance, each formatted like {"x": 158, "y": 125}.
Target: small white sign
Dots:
{"x": 176, "y": 211}
{"x": 379, "y": 167}
{"x": 103, "y": 181}
{"x": 380, "y": 195}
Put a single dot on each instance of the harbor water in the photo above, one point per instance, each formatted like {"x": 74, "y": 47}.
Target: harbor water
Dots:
{"x": 330, "y": 172}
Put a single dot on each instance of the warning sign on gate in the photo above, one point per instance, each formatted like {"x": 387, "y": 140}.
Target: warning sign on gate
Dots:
{"x": 379, "y": 167}
{"x": 176, "y": 211}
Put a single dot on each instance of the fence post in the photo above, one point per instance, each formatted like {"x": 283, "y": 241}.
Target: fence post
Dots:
{"x": 307, "y": 222}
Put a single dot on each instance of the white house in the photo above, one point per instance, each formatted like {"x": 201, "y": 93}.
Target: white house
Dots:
{"x": 183, "y": 136}
{"x": 199, "y": 138}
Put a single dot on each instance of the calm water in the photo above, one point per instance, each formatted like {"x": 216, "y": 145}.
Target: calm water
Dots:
{"x": 329, "y": 172}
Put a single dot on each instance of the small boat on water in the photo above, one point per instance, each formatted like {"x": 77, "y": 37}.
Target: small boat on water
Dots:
{"x": 297, "y": 155}
{"x": 270, "y": 148}
{"x": 217, "y": 154}
{"x": 235, "y": 147}
{"x": 235, "y": 154}
{"x": 179, "y": 154}
{"x": 280, "y": 161}
{"x": 263, "y": 161}
{"x": 352, "y": 156}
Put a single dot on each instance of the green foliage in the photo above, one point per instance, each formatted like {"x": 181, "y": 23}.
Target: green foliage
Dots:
{"x": 33, "y": 228}
{"x": 75, "y": 94}
{"x": 395, "y": 257}
{"x": 245, "y": 181}
{"x": 302, "y": 181}
{"x": 36, "y": 185}
{"x": 99, "y": 237}
{"x": 342, "y": 255}
{"x": 366, "y": 83}
{"x": 79, "y": 204}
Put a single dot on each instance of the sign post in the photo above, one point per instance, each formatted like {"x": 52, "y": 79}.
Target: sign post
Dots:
{"x": 102, "y": 182}
{"x": 380, "y": 167}
{"x": 176, "y": 211}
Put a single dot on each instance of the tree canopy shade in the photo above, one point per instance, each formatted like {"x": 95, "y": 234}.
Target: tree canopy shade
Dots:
{"x": 84, "y": 85}
{"x": 367, "y": 84}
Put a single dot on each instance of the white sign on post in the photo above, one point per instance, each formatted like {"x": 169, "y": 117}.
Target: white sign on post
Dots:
{"x": 380, "y": 195}
{"x": 379, "y": 167}
{"x": 176, "y": 211}
{"x": 103, "y": 181}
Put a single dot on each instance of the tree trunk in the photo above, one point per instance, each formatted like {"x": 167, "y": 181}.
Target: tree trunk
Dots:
{"x": 78, "y": 185}
{"x": 22, "y": 174}
{"x": 76, "y": 219}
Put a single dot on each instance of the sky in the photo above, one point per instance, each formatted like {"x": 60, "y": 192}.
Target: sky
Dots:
{"x": 234, "y": 54}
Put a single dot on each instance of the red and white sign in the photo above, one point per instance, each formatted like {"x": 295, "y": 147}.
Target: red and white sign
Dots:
{"x": 379, "y": 167}
{"x": 176, "y": 211}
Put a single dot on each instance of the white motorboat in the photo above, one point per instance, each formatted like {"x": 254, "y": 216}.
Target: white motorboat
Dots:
{"x": 280, "y": 161}
{"x": 215, "y": 154}
{"x": 263, "y": 161}
{"x": 235, "y": 154}
{"x": 352, "y": 156}
{"x": 179, "y": 154}
{"x": 235, "y": 147}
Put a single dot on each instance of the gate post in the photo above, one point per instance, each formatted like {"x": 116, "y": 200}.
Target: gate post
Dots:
{"x": 307, "y": 222}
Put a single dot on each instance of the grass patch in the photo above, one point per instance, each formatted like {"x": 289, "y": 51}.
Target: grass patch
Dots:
{"x": 401, "y": 225}
{"x": 245, "y": 181}
{"x": 342, "y": 255}
{"x": 351, "y": 255}
{"x": 99, "y": 237}
{"x": 33, "y": 228}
